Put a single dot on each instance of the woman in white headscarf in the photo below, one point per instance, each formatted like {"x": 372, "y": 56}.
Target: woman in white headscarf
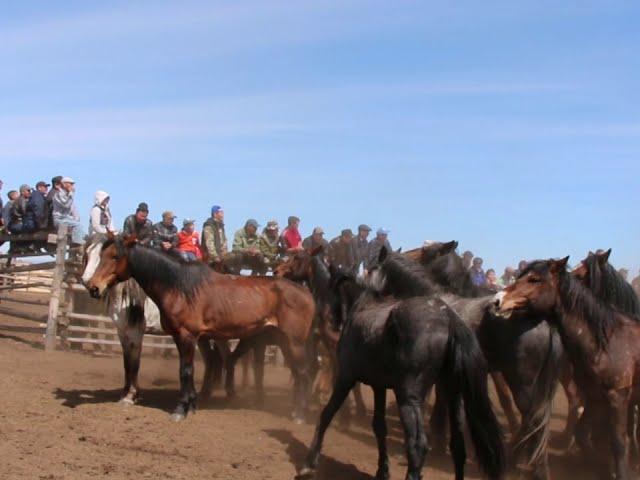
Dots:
{"x": 100, "y": 219}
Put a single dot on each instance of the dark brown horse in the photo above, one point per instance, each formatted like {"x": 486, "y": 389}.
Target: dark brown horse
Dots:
{"x": 195, "y": 302}
{"x": 602, "y": 343}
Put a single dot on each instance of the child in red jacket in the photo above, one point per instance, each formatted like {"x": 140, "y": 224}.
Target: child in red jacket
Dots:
{"x": 189, "y": 241}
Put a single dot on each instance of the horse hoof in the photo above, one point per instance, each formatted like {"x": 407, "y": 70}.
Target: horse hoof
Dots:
{"x": 178, "y": 417}
{"x": 127, "y": 402}
{"x": 305, "y": 473}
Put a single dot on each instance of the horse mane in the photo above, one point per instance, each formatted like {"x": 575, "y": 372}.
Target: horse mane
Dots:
{"x": 404, "y": 277}
{"x": 150, "y": 266}
{"x": 610, "y": 287}
{"x": 449, "y": 272}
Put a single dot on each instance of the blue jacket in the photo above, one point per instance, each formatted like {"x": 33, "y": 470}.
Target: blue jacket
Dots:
{"x": 37, "y": 213}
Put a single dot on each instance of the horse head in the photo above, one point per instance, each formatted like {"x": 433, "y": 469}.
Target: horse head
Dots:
{"x": 112, "y": 266}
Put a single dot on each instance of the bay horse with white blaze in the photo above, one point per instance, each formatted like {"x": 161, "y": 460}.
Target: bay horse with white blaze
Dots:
{"x": 196, "y": 302}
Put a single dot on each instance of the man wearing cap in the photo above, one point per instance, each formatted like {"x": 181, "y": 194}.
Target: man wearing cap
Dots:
{"x": 37, "y": 213}
{"x": 291, "y": 240}
{"x": 64, "y": 210}
{"x": 361, "y": 245}
{"x": 17, "y": 226}
{"x": 341, "y": 253}
{"x": 375, "y": 246}
{"x": 245, "y": 252}
{"x": 138, "y": 224}
{"x": 316, "y": 239}
{"x": 269, "y": 245}
{"x": 165, "y": 233}
{"x": 189, "y": 241}
{"x": 214, "y": 239}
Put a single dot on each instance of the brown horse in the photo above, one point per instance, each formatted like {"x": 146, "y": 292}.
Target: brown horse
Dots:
{"x": 195, "y": 302}
{"x": 602, "y": 343}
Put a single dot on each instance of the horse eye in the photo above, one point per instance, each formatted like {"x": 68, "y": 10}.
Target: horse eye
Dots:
{"x": 534, "y": 280}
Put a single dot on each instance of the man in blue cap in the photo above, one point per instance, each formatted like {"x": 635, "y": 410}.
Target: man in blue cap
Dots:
{"x": 245, "y": 252}
{"x": 214, "y": 239}
{"x": 375, "y": 246}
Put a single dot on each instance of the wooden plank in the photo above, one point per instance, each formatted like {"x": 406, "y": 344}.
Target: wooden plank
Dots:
{"x": 170, "y": 346}
{"x": 25, "y": 255}
{"x": 33, "y": 267}
{"x": 89, "y": 317}
{"x": 27, "y": 301}
{"x": 56, "y": 290}
{"x": 36, "y": 317}
{"x": 16, "y": 286}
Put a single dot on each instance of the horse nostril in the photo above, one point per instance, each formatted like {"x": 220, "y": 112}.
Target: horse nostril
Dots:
{"x": 94, "y": 292}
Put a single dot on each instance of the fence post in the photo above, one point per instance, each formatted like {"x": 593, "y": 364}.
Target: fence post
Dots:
{"x": 56, "y": 289}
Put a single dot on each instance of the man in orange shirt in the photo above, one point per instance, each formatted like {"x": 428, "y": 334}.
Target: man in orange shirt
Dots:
{"x": 189, "y": 241}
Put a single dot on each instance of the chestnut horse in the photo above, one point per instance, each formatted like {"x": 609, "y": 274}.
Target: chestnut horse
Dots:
{"x": 602, "y": 343}
{"x": 196, "y": 302}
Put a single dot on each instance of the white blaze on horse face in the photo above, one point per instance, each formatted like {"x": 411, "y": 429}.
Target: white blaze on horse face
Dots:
{"x": 93, "y": 261}
{"x": 376, "y": 280}
{"x": 498, "y": 298}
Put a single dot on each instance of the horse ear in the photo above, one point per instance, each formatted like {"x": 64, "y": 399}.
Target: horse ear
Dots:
{"x": 382, "y": 256}
{"x": 399, "y": 250}
{"x": 562, "y": 263}
{"x": 604, "y": 256}
{"x": 449, "y": 247}
{"x": 315, "y": 250}
{"x": 110, "y": 235}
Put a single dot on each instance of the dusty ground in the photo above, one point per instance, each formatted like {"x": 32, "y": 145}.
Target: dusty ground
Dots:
{"x": 59, "y": 419}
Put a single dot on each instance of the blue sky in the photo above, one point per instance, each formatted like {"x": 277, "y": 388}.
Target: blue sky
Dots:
{"x": 513, "y": 127}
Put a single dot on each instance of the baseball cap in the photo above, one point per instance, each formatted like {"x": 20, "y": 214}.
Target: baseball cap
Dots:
{"x": 251, "y": 223}
{"x": 67, "y": 180}
{"x": 215, "y": 209}
{"x": 365, "y": 227}
{"x": 188, "y": 221}
{"x": 168, "y": 214}
{"x": 346, "y": 231}
{"x": 318, "y": 231}
{"x": 42, "y": 183}
{"x": 272, "y": 225}
{"x": 142, "y": 207}
{"x": 382, "y": 231}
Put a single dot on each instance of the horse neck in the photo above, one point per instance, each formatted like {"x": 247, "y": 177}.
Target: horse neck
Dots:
{"x": 319, "y": 279}
{"x": 456, "y": 279}
{"x": 148, "y": 280}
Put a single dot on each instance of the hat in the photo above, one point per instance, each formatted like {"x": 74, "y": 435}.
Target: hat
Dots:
{"x": 56, "y": 179}
{"x": 346, "y": 231}
{"x": 364, "y": 227}
{"x": 42, "y": 183}
{"x": 318, "y": 231}
{"x": 292, "y": 219}
{"x": 168, "y": 214}
{"x": 142, "y": 207}
{"x": 67, "y": 180}
{"x": 188, "y": 221}
{"x": 272, "y": 225}
{"x": 251, "y": 223}
{"x": 382, "y": 231}
{"x": 215, "y": 209}
{"x": 24, "y": 186}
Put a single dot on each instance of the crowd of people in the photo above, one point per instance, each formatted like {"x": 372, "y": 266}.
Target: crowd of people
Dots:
{"x": 44, "y": 208}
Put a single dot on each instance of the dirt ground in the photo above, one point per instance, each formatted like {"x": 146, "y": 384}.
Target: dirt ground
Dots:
{"x": 60, "y": 419}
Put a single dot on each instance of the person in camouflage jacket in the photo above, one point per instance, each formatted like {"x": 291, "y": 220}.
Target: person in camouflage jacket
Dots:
{"x": 269, "y": 244}
{"x": 245, "y": 252}
{"x": 214, "y": 239}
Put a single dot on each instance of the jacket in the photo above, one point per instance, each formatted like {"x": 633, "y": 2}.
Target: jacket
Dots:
{"x": 214, "y": 240}
{"x": 7, "y": 213}
{"x": 63, "y": 206}
{"x": 360, "y": 250}
{"x": 142, "y": 231}
{"x": 100, "y": 219}
{"x": 243, "y": 242}
{"x": 164, "y": 233}
{"x": 189, "y": 242}
{"x": 269, "y": 248}
{"x": 290, "y": 238}
{"x": 308, "y": 244}
{"x": 342, "y": 255}
{"x": 37, "y": 211}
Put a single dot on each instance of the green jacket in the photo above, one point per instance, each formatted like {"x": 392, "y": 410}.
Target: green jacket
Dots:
{"x": 269, "y": 248}
{"x": 243, "y": 242}
{"x": 214, "y": 240}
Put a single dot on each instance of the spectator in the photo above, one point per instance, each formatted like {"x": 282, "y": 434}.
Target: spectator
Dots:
{"x": 64, "y": 211}
{"x": 189, "y": 241}
{"x": 361, "y": 245}
{"x": 214, "y": 238}
{"x": 269, "y": 244}
{"x": 381, "y": 240}
{"x": 37, "y": 213}
{"x": 7, "y": 210}
{"x": 138, "y": 224}
{"x": 1, "y": 205}
{"x": 467, "y": 259}
{"x": 16, "y": 225}
{"x": 56, "y": 185}
{"x": 341, "y": 252}
{"x": 508, "y": 277}
{"x": 245, "y": 252}
{"x": 635, "y": 283}
{"x": 492, "y": 281}
{"x": 100, "y": 219}
{"x": 315, "y": 240}
{"x": 165, "y": 233}
{"x": 291, "y": 240}
{"x": 478, "y": 277}
{"x": 522, "y": 266}
{"x": 624, "y": 273}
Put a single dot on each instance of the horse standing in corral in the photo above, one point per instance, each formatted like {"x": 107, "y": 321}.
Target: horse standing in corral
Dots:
{"x": 399, "y": 336}
{"x": 527, "y": 354}
{"x": 306, "y": 266}
{"x": 602, "y": 343}
{"x": 197, "y": 303}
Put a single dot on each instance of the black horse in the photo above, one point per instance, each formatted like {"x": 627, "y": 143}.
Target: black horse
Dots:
{"x": 528, "y": 353}
{"x": 399, "y": 336}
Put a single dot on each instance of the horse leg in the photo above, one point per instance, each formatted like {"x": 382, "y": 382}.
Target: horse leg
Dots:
{"x": 574, "y": 403}
{"x": 379, "y": 425}
{"x": 506, "y": 402}
{"x": 438, "y": 422}
{"x": 413, "y": 426}
{"x": 131, "y": 332}
{"x": 361, "y": 409}
{"x": 212, "y": 364}
{"x": 619, "y": 408}
{"x": 246, "y": 361}
{"x": 243, "y": 347}
{"x": 187, "y": 400}
{"x": 341, "y": 390}
{"x": 298, "y": 362}
{"x": 258, "y": 370}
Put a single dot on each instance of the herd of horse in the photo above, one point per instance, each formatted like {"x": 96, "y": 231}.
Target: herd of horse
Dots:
{"x": 415, "y": 324}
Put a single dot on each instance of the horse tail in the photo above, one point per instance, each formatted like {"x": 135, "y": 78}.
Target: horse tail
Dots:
{"x": 531, "y": 441}
{"x": 468, "y": 377}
